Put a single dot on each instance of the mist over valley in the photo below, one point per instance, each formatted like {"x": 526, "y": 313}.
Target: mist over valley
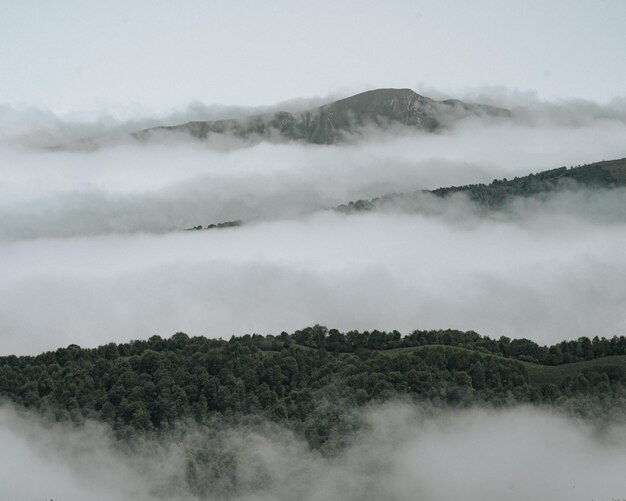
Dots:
{"x": 275, "y": 251}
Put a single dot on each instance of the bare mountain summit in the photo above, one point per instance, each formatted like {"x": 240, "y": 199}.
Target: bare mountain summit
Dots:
{"x": 333, "y": 122}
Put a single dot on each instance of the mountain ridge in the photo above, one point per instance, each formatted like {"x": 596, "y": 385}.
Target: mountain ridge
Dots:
{"x": 334, "y": 121}
{"x": 605, "y": 174}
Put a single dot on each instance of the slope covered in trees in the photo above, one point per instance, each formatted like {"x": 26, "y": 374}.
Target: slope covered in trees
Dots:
{"x": 603, "y": 175}
{"x": 310, "y": 380}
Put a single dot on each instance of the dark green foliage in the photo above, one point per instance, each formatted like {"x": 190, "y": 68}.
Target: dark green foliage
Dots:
{"x": 543, "y": 374}
{"x": 308, "y": 380}
{"x": 314, "y": 382}
{"x": 605, "y": 174}
{"x": 597, "y": 175}
{"x": 218, "y": 226}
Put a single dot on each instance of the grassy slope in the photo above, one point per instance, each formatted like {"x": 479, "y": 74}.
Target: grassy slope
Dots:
{"x": 540, "y": 374}
{"x": 537, "y": 374}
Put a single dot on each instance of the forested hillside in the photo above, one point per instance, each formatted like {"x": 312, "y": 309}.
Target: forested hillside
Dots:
{"x": 605, "y": 174}
{"x": 310, "y": 380}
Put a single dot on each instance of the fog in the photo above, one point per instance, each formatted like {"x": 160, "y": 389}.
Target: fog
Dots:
{"x": 92, "y": 249}
{"x": 546, "y": 277}
{"x": 159, "y": 187}
{"x": 40, "y": 127}
{"x": 401, "y": 453}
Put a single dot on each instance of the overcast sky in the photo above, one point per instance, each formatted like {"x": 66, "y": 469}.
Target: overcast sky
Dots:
{"x": 148, "y": 56}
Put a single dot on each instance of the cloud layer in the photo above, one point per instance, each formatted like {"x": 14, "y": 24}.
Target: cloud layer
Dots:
{"x": 545, "y": 277}
{"x": 402, "y": 453}
{"x": 91, "y": 252}
{"x": 91, "y": 248}
{"x": 176, "y": 183}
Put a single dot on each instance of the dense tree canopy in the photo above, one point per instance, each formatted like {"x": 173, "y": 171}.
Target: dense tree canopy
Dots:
{"x": 605, "y": 174}
{"x": 308, "y": 380}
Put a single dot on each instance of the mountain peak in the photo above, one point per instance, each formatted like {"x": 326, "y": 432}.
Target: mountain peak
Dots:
{"x": 382, "y": 94}
{"x": 335, "y": 121}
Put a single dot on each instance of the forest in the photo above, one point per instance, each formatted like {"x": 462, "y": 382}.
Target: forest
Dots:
{"x": 311, "y": 381}
{"x": 495, "y": 195}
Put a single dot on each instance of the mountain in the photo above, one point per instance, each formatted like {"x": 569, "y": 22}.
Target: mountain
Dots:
{"x": 338, "y": 120}
{"x": 605, "y": 174}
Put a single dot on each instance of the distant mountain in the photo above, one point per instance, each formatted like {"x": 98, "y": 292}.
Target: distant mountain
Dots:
{"x": 605, "y": 174}
{"x": 335, "y": 121}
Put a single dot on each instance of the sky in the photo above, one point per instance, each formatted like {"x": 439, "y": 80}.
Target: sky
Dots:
{"x": 149, "y": 57}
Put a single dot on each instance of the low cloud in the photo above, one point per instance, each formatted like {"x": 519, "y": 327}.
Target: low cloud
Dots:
{"x": 91, "y": 250}
{"x": 158, "y": 187}
{"x": 36, "y": 127}
{"x": 543, "y": 273}
{"x": 402, "y": 453}
{"x": 528, "y": 107}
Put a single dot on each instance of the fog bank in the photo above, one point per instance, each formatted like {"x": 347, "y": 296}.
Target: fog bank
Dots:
{"x": 402, "y": 453}
{"x": 544, "y": 273}
{"x": 160, "y": 187}
{"x": 91, "y": 249}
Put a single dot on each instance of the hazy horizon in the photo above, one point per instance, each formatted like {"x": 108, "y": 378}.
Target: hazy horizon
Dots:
{"x": 92, "y": 241}
{"x": 149, "y": 58}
